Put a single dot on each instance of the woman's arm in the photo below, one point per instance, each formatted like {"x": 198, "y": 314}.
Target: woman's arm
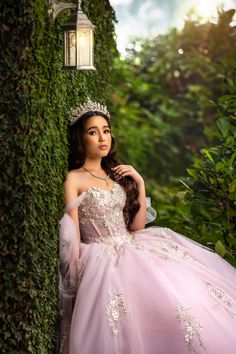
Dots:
{"x": 71, "y": 192}
{"x": 140, "y": 218}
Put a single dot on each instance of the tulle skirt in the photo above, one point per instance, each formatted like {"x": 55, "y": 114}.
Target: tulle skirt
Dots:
{"x": 160, "y": 293}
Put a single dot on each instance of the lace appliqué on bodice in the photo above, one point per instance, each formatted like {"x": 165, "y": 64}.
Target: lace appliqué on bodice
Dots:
{"x": 101, "y": 215}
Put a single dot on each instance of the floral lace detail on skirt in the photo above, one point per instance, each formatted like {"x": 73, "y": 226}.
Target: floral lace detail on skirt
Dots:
{"x": 114, "y": 310}
{"x": 167, "y": 250}
{"x": 221, "y": 298}
{"x": 192, "y": 328}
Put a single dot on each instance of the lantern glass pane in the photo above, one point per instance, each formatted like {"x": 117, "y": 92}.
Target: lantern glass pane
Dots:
{"x": 70, "y": 48}
{"x": 84, "y": 47}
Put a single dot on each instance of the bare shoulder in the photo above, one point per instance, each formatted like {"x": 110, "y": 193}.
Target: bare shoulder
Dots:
{"x": 73, "y": 175}
{"x": 72, "y": 184}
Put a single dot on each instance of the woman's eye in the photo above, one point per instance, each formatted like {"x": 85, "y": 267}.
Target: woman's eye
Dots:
{"x": 107, "y": 131}
{"x": 92, "y": 132}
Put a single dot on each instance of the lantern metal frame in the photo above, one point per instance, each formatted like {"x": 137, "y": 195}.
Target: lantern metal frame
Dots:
{"x": 77, "y": 23}
{"x": 57, "y": 7}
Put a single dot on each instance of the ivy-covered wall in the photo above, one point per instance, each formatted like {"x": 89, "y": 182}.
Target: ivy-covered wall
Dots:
{"x": 36, "y": 95}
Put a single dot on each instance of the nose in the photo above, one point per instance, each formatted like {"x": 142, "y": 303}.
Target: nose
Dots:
{"x": 101, "y": 136}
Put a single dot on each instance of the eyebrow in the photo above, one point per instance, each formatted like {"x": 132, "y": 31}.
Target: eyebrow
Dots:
{"x": 95, "y": 127}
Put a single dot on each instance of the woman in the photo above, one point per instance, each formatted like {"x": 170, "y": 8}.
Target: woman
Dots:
{"x": 125, "y": 289}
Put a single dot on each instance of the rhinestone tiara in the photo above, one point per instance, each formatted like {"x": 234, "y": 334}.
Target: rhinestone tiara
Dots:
{"x": 88, "y": 106}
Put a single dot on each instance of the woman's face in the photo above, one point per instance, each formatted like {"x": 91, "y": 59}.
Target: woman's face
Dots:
{"x": 96, "y": 137}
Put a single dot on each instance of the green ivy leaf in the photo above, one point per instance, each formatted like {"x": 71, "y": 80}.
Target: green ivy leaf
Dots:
{"x": 229, "y": 141}
{"x": 220, "y": 248}
{"x": 207, "y": 153}
{"x": 219, "y": 166}
{"x": 232, "y": 187}
{"x": 223, "y": 125}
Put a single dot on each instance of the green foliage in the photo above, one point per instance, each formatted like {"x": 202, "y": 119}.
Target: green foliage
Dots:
{"x": 204, "y": 208}
{"x": 167, "y": 96}
{"x": 212, "y": 193}
{"x": 172, "y": 209}
{"x": 36, "y": 96}
{"x": 169, "y": 127}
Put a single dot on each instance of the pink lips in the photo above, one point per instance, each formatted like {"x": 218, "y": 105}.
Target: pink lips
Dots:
{"x": 103, "y": 147}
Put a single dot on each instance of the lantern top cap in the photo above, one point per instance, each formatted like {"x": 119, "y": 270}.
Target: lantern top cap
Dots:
{"x": 78, "y": 20}
{"x": 82, "y": 20}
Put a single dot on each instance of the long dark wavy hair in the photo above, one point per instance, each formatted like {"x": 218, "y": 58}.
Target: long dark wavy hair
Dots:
{"x": 77, "y": 159}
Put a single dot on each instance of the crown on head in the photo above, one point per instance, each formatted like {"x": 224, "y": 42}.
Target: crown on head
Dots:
{"x": 88, "y": 106}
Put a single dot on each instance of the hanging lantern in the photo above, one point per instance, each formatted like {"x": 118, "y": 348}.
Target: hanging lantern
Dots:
{"x": 78, "y": 42}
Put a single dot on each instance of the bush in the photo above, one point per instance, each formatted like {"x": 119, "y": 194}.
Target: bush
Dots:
{"x": 212, "y": 193}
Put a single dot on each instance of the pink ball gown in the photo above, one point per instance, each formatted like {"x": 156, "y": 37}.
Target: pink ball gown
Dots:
{"x": 153, "y": 291}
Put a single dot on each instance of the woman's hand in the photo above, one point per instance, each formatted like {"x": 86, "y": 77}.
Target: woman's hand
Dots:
{"x": 121, "y": 171}
{"x": 128, "y": 170}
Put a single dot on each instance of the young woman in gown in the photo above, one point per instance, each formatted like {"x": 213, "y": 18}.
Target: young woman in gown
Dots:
{"x": 125, "y": 289}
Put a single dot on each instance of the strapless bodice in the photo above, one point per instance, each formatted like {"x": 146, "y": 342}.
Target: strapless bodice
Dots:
{"x": 101, "y": 214}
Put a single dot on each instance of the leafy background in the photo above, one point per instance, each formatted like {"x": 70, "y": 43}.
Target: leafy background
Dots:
{"x": 173, "y": 118}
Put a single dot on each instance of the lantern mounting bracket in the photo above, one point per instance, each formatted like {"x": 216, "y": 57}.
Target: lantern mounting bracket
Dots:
{"x": 57, "y": 7}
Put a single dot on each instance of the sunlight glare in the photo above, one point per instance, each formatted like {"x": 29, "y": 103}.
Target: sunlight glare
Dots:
{"x": 208, "y": 9}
